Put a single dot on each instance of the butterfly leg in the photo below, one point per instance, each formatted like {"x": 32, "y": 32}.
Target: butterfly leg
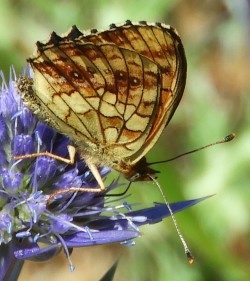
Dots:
{"x": 70, "y": 160}
{"x": 96, "y": 174}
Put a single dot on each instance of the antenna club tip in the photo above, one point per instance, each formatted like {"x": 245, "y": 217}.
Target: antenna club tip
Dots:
{"x": 191, "y": 261}
{"x": 190, "y": 258}
{"x": 229, "y": 137}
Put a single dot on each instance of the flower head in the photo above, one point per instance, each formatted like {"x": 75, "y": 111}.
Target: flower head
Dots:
{"x": 31, "y": 212}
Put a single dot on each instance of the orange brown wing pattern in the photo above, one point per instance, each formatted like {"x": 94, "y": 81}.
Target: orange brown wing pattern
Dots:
{"x": 116, "y": 89}
{"x": 160, "y": 43}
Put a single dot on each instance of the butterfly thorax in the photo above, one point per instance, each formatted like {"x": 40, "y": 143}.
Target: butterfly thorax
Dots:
{"x": 103, "y": 156}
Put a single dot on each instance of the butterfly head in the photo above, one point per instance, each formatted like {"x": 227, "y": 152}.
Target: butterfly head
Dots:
{"x": 140, "y": 171}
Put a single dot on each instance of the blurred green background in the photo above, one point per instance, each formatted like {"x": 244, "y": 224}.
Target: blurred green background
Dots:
{"x": 216, "y": 37}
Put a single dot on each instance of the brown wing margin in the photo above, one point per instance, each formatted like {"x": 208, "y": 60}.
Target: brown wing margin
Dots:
{"x": 167, "y": 109}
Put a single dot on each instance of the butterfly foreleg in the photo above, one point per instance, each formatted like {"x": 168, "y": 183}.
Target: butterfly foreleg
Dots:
{"x": 70, "y": 160}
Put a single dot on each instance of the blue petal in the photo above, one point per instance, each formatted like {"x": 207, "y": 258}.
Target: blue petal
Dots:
{"x": 80, "y": 239}
{"x": 160, "y": 211}
{"x": 144, "y": 216}
{"x": 33, "y": 252}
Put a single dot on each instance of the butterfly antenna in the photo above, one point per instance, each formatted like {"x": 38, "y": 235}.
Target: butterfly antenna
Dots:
{"x": 228, "y": 138}
{"x": 186, "y": 249}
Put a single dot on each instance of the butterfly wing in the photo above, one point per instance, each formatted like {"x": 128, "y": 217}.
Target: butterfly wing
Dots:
{"x": 158, "y": 42}
{"x": 161, "y": 44}
{"x": 116, "y": 89}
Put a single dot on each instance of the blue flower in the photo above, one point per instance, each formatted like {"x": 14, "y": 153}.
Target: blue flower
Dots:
{"x": 33, "y": 208}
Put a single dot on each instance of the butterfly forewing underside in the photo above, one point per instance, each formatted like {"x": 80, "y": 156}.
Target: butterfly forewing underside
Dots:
{"x": 112, "y": 92}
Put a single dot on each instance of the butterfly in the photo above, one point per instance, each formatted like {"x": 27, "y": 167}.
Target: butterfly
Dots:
{"x": 112, "y": 92}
